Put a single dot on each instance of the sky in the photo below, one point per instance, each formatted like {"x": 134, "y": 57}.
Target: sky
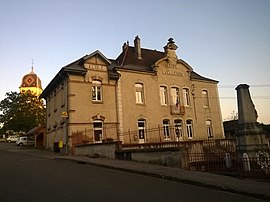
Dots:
{"x": 228, "y": 41}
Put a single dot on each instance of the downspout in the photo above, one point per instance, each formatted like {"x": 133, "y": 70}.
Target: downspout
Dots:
{"x": 119, "y": 110}
{"x": 67, "y": 118}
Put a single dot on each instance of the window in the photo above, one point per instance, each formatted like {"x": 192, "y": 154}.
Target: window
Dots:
{"x": 139, "y": 93}
{"x": 209, "y": 129}
{"x": 166, "y": 129}
{"x": 141, "y": 130}
{"x": 98, "y": 125}
{"x": 163, "y": 95}
{"x": 96, "y": 91}
{"x": 205, "y": 98}
{"x": 178, "y": 129}
{"x": 175, "y": 96}
{"x": 186, "y": 97}
{"x": 189, "y": 129}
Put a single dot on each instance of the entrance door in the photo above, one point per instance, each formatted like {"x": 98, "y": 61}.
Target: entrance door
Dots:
{"x": 178, "y": 129}
{"x": 141, "y": 130}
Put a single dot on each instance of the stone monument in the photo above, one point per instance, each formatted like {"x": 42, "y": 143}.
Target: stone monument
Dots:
{"x": 250, "y": 139}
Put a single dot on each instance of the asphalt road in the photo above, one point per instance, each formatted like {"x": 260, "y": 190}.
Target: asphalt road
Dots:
{"x": 27, "y": 177}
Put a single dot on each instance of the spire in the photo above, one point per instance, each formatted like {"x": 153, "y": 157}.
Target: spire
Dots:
{"x": 32, "y": 68}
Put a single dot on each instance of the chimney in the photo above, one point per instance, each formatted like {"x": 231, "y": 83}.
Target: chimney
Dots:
{"x": 137, "y": 45}
{"x": 125, "y": 45}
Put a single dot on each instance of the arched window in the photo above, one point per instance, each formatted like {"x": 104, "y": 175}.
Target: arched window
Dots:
{"x": 98, "y": 130}
{"x": 139, "y": 93}
{"x": 166, "y": 129}
{"x": 141, "y": 130}
{"x": 186, "y": 97}
{"x": 97, "y": 90}
{"x": 178, "y": 128}
{"x": 205, "y": 98}
{"x": 175, "y": 96}
{"x": 163, "y": 95}
{"x": 189, "y": 129}
{"x": 209, "y": 129}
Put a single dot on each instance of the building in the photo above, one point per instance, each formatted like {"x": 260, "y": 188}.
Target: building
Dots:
{"x": 31, "y": 83}
{"x": 141, "y": 96}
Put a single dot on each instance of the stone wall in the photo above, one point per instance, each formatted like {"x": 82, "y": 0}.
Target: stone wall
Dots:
{"x": 103, "y": 150}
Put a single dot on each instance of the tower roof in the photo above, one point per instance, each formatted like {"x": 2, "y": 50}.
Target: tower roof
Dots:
{"x": 31, "y": 80}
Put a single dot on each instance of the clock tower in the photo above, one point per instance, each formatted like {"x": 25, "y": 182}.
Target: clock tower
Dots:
{"x": 31, "y": 83}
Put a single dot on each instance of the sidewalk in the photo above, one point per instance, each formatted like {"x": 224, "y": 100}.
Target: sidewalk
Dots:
{"x": 240, "y": 186}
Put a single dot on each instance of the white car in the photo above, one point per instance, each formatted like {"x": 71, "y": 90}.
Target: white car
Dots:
{"x": 22, "y": 141}
{"x": 12, "y": 138}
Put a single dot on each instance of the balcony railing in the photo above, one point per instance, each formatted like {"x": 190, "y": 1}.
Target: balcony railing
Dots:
{"x": 177, "y": 110}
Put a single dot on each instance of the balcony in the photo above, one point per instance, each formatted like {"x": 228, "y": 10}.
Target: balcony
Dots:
{"x": 177, "y": 110}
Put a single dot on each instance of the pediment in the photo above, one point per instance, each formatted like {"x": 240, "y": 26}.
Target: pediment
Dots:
{"x": 96, "y": 58}
{"x": 174, "y": 64}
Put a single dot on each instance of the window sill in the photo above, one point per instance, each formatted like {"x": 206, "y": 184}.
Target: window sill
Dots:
{"x": 97, "y": 102}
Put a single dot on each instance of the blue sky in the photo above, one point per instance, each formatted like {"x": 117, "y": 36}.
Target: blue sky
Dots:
{"x": 224, "y": 40}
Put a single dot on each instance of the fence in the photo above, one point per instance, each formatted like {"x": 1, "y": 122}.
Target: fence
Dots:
{"x": 228, "y": 164}
{"x": 160, "y": 134}
{"x": 108, "y": 133}
{"x": 212, "y": 155}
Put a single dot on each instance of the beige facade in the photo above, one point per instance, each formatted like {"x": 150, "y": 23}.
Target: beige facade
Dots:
{"x": 141, "y": 96}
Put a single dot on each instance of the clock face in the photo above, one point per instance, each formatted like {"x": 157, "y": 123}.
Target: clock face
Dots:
{"x": 29, "y": 80}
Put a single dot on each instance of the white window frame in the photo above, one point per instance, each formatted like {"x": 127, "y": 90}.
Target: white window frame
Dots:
{"x": 96, "y": 91}
{"x": 163, "y": 92}
{"x": 178, "y": 129}
{"x": 209, "y": 128}
{"x": 96, "y": 129}
{"x": 186, "y": 97}
{"x": 141, "y": 130}
{"x": 139, "y": 93}
{"x": 166, "y": 129}
{"x": 205, "y": 98}
{"x": 189, "y": 127}
{"x": 175, "y": 95}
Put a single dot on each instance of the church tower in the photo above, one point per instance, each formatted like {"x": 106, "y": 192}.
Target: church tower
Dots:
{"x": 31, "y": 83}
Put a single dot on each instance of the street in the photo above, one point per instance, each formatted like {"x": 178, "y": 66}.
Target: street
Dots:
{"x": 25, "y": 176}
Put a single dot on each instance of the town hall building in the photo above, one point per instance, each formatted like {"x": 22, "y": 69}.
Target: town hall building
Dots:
{"x": 142, "y": 96}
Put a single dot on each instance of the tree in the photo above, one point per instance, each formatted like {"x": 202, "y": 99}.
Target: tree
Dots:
{"x": 232, "y": 116}
{"x": 21, "y": 112}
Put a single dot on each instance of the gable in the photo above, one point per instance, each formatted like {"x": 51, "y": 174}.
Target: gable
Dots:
{"x": 96, "y": 58}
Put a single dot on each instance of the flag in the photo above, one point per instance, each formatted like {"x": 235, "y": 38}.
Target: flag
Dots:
{"x": 177, "y": 104}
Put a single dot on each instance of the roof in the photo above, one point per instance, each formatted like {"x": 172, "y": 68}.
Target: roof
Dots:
{"x": 35, "y": 130}
{"x": 31, "y": 80}
{"x": 74, "y": 68}
{"x": 129, "y": 60}
{"x": 196, "y": 76}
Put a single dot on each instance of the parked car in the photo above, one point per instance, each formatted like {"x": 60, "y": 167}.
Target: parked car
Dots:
{"x": 12, "y": 138}
{"x": 22, "y": 141}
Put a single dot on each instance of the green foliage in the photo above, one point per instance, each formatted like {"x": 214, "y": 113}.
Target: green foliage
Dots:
{"x": 266, "y": 128}
{"x": 21, "y": 112}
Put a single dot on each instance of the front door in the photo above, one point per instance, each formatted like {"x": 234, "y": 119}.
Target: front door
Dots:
{"x": 141, "y": 130}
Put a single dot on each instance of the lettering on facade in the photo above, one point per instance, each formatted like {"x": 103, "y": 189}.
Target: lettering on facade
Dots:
{"x": 96, "y": 67}
{"x": 173, "y": 73}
